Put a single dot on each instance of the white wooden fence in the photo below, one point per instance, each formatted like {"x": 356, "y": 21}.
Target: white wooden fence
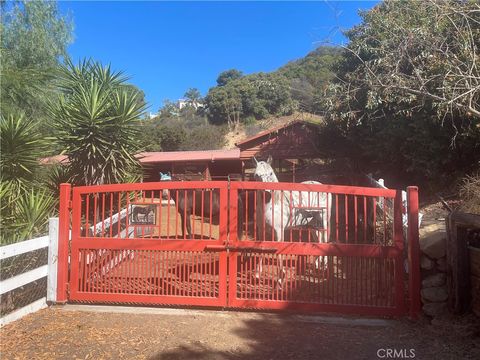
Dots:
{"x": 17, "y": 281}
{"x": 50, "y": 269}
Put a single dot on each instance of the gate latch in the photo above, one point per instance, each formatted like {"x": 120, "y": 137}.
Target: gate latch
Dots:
{"x": 239, "y": 248}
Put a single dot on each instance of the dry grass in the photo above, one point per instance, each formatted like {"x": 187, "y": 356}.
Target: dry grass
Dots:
{"x": 470, "y": 193}
{"x": 245, "y": 131}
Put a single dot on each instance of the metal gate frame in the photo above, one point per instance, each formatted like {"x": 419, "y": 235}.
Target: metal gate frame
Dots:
{"x": 229, "y": 247}
{"x": 395, "y": 252}
{"x": 78, "y": 242}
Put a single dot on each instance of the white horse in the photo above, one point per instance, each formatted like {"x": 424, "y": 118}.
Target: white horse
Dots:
{"x": 296, "y": 208}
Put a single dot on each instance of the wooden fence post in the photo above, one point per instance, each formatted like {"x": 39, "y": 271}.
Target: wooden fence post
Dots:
{"x": 413, "y": 252}
{"x": 63, "y": 242}
{"x": 52, "y": 259}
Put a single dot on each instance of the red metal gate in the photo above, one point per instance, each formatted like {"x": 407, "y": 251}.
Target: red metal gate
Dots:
{"x": 337, "y": 252}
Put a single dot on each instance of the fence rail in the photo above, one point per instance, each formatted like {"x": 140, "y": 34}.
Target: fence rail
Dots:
{"x": 10, "y": 253}
{"x": 23, "y": 247}
{"x": 49, "y": 270}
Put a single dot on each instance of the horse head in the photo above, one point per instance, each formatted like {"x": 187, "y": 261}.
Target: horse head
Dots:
{"x": 264, "y": 171}
{"x": 165, "y": 177}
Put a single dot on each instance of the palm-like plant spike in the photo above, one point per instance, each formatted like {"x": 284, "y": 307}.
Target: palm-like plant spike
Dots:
{"x": 96, "y": 121}
{"x": 56, "y": 175}
{"x": 24, "y": 212}
{"x": 32, "y": 211}
{"x": 21, "y": 147}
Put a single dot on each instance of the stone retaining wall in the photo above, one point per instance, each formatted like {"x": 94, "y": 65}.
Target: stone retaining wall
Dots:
{"x": 433, "y": 242}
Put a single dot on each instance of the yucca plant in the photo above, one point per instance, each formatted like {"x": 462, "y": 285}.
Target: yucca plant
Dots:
{"x": 24, "y": 215}
{"x": 7, "y": 218}
{"x": 21, "y": 148}
{"x": 32, "y": 211}
{"x": 24, "y": 208}
{"x": 96, "y": 122}
{"x": 56, "y": 175}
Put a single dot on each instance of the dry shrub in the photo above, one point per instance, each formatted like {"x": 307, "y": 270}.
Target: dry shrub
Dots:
{"x": 470, "y": 193}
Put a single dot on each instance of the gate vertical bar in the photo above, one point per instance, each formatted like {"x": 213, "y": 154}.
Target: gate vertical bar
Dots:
{"x": 74, "y": 250}
{"x": 398, "y": 242}
{"x": 233, "y": 242}
{"x": 413, "y": 251}
{"x": 63, "y": 239}
{"x": 223, "y": 236}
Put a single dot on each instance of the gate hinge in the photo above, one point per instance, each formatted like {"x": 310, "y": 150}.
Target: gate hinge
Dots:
{"x": 70, "y": 204}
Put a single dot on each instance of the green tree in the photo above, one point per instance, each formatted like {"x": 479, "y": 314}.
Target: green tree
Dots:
{"x": 33, "y": 38}
{"x": 96, "y": 120}
{"x": 138, "y": 93}
{"x": 168, "y": 110}
{"x": 34, "y": 34}
{"x": 224, "y": 105}
{"x": 163, "y": 135}
{"x": 226, "y": 76}
{"x": 406, "y": 97}
{"x": 310, "y": 76}
{"x": 258, "y": 95}
{"x": 413, "y": 54}
{"x": 193, "y": 96}
{"x": 205, "y": 137}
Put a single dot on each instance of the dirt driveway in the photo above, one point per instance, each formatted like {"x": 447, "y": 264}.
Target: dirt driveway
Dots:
{"x": 73, "y": 332}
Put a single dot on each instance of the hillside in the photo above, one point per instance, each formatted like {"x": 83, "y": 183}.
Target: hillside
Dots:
{"x": 297, "y": 86}
{"x": 315, "y": 67}
{"x": 310, "y": 75}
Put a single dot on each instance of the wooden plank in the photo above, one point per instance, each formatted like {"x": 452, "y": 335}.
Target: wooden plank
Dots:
{"x": 64, "y": 221}
{"x": 23, "y": 279}
{"x": 475, "y": 292}
{"x": 466, "y": 219}
{"x": 52, "y": 259}
{"x": 474, "y": 260}
{"x": 23, "y": 247}
{"x": 29, "y": 309}
{"x": 111, "y": 222}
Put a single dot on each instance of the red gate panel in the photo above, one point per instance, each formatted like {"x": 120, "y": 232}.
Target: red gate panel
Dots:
{"x": 351, "y": 261}
{"x": 128, "y": 245}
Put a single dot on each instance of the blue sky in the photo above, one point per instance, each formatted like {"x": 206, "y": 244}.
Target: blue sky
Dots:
{"x": 168, "y": 47}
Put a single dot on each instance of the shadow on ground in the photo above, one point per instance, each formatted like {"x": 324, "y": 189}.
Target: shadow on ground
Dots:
{"x": 270, "y": 336}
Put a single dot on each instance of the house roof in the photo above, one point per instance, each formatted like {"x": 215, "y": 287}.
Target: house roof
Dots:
{"x": 205, "y": 155}
{"x": 167, "y": 156}
{"x": 56, "y": 159}
{"x": 269, "y": 132}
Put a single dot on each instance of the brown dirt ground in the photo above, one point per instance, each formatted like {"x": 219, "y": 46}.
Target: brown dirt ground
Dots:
{"x": 56, "y": 333}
